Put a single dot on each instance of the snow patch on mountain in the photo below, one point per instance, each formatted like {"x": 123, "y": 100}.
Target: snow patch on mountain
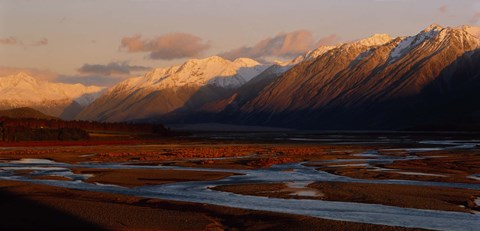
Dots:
{"x": 408, "y": 43}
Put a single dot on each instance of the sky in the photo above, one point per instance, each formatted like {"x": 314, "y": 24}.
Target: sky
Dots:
{"x": 102, "y": 42}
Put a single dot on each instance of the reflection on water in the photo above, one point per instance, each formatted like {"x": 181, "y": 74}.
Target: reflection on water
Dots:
{"x": 474, "y": 177}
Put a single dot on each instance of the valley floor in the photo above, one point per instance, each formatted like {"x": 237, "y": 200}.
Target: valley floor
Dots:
{"x": 304, "y": 183}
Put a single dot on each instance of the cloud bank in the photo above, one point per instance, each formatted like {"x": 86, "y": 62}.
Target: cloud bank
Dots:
{"x": 9, "y": 41}
{"x": 166, "y": 47}
{"x": 88, "y": 80}
{"x": 111, "y": 69}
{"x": 286, "y": 45}
{"x": 103, "y": 74}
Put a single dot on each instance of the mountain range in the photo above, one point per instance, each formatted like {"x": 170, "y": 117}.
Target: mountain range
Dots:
{"x": 426, "y": 81}
{"x": 166, "y": 90}
{"x": 403, "y": 83}
{"x": 55, "y": 99}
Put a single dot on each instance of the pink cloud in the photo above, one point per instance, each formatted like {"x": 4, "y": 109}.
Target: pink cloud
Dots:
{"x": 443, "y": 9}
{"x": 328, "y": 40}
{"x": 14, "y": 41}
{"x": 9, "y": 41}
{"x": 167, "y": 47}
{"x": 290, "y": 44}
{"x": 41, "y": 42}
{"x": 475, "y": 18}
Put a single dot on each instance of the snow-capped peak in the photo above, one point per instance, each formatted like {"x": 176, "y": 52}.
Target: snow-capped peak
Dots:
{"x": 246, "y": 62}
{"x": 249, "y": 68}
{"x": 317, "y": 52}
{"x": 406, "y": 44}
{"x": 374, "y": 40}
{"x": 433, "y": 27}
{"x": 436, "y": 33}
{"x": 430, "y": 32}
{"x": 19, "y": 78}
{"x": 22, "y": 75}
{"x": 213, "y": 70}
{"x": 22, "y": 89}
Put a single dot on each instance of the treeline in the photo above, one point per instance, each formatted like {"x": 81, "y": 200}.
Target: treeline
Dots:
{"x": 13, "y": 134}
{"x": 28, "y": 129}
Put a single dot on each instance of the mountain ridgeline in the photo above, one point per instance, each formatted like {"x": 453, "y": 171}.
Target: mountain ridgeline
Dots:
{"x": 428, "y": 81}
